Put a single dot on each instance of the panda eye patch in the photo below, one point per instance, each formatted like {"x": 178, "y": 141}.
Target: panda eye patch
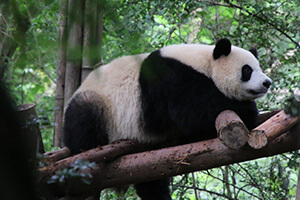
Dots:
{"x": 246, "y": 73}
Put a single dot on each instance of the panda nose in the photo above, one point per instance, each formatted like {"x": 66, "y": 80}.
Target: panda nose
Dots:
{"x": 267, "y": 83}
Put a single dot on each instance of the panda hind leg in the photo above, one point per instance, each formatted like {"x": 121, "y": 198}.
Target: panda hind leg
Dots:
{"x": 85, "y": 122}
{"x": 154, "y": 190}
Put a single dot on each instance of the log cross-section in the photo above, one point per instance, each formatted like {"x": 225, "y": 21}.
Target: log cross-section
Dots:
{"x": 231, "y": 129}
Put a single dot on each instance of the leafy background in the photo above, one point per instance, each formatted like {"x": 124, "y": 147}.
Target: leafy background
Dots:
{"x": 136, "y": 26}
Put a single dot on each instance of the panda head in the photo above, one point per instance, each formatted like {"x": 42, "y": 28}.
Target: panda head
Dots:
{"x": 236, "y": 72}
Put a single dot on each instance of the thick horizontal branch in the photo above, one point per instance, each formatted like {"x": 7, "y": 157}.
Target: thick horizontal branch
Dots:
{"x": 271, "y": 129}
{"x": 99, "y": 154}
{"x": 153, "y": 165}
{"x": 57, "y": 155}
{"x": 276, "y": 125}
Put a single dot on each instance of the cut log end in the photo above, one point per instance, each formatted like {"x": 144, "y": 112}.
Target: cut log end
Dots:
{"x": 257, "y": 139}
{"x": 231, "y": 129}
{"x": 26, "y": 107}
{"x": 234, "y": 135}
{"x": 57, "y": 155}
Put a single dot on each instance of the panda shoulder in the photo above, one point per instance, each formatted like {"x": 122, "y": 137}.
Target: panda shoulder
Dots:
{"x": 197, "y": 56}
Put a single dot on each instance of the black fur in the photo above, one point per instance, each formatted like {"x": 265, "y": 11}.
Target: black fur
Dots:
{"x": 222, "y": 48}
{"x": 254, "y": 52}
{"x": 176, "y": 97}
{"x": 246, "y": 73}
{"x": 85, "y": 122}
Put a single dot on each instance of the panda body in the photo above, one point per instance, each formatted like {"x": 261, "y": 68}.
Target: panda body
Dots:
{"x": 170, "y": 96}
{"x": 117, "y": 85}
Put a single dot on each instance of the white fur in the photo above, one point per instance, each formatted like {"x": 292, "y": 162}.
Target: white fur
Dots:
{"x": 227, "y": 73}
{"x": 117, "y": 83}
{"x": 198, "y": 56}
{"x": 256, "y": 84}
{"x": 224, "y": 71}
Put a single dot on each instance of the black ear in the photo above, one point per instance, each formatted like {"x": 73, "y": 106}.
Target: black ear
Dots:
{"x": 254, "y": 52}
{"x": 222, "y": 48}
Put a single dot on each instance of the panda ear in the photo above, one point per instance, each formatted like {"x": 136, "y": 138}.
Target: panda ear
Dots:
{"x": 254, "y": 52}
{"x": 222, "y": 48}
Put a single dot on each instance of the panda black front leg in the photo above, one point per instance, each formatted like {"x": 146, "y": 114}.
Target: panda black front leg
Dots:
{"x": 154, "y": 190}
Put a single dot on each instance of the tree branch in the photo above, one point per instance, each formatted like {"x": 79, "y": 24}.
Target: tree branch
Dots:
{"x": 158, "y": 164}
{"x": 231, "y": 5}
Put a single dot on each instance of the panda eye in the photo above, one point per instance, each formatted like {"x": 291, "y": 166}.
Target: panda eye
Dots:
{"x": 246, "y": 73}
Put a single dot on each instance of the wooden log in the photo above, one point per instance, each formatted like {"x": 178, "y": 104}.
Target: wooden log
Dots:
{"x": 57, "y": 155}
{"x": 99, "y": 154}
{"x": 30, "y": 128}
{"x": 17, "y": 168}
{"x": 65, "y": 152}
{"x": 264, "y": 116}
{"x": 231, "y": 129}
{"x": 257, "y": 139}
{"x": 271, "y": 129}
{"x": 153, "y": 165}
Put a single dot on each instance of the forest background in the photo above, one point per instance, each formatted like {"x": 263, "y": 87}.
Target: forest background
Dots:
{"x": 29, "y": 43}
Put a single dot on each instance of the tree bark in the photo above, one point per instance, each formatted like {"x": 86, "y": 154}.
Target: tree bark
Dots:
{"x": 57, "y": 155}
{"x": 79, "y": 51}
{"x": 89, "y": 38}
{"x": 158, "y": 164}
{"x": 99, "y": 154}
{"x": 277, "y": 124}
{"x": 60, "y": 73}
{"x": 92, "y": 42}
{"x": 30, "y": 128}
{"x": 74, "y": 48}
{"x": 271, "y": 129}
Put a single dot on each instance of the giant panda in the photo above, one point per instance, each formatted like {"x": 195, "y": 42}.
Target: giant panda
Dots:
{"x": 169, "y": 96}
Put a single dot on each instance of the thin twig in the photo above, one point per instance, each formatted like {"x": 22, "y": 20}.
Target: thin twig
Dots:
{"x": 231, "y": 5}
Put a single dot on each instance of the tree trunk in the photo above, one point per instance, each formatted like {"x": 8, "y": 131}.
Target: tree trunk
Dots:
{"x": 89, "y": 39}
{"x": 92, "y": 42}
{"x": 74, "y": 48}
{"x": 60, "y": 73}
{"x": 79, "y": 51}
{"x": 30, "y": 128}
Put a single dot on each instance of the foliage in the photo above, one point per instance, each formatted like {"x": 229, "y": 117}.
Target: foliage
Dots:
{"x": 135, "y": 26}
{"x": 74, "y": 171}
{"x": 31, "y": 68}
{"x": 260, "y": 179}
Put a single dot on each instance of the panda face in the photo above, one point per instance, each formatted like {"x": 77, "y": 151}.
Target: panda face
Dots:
{"x": 254, "y": 83}
{"x": 237, "y": 73}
